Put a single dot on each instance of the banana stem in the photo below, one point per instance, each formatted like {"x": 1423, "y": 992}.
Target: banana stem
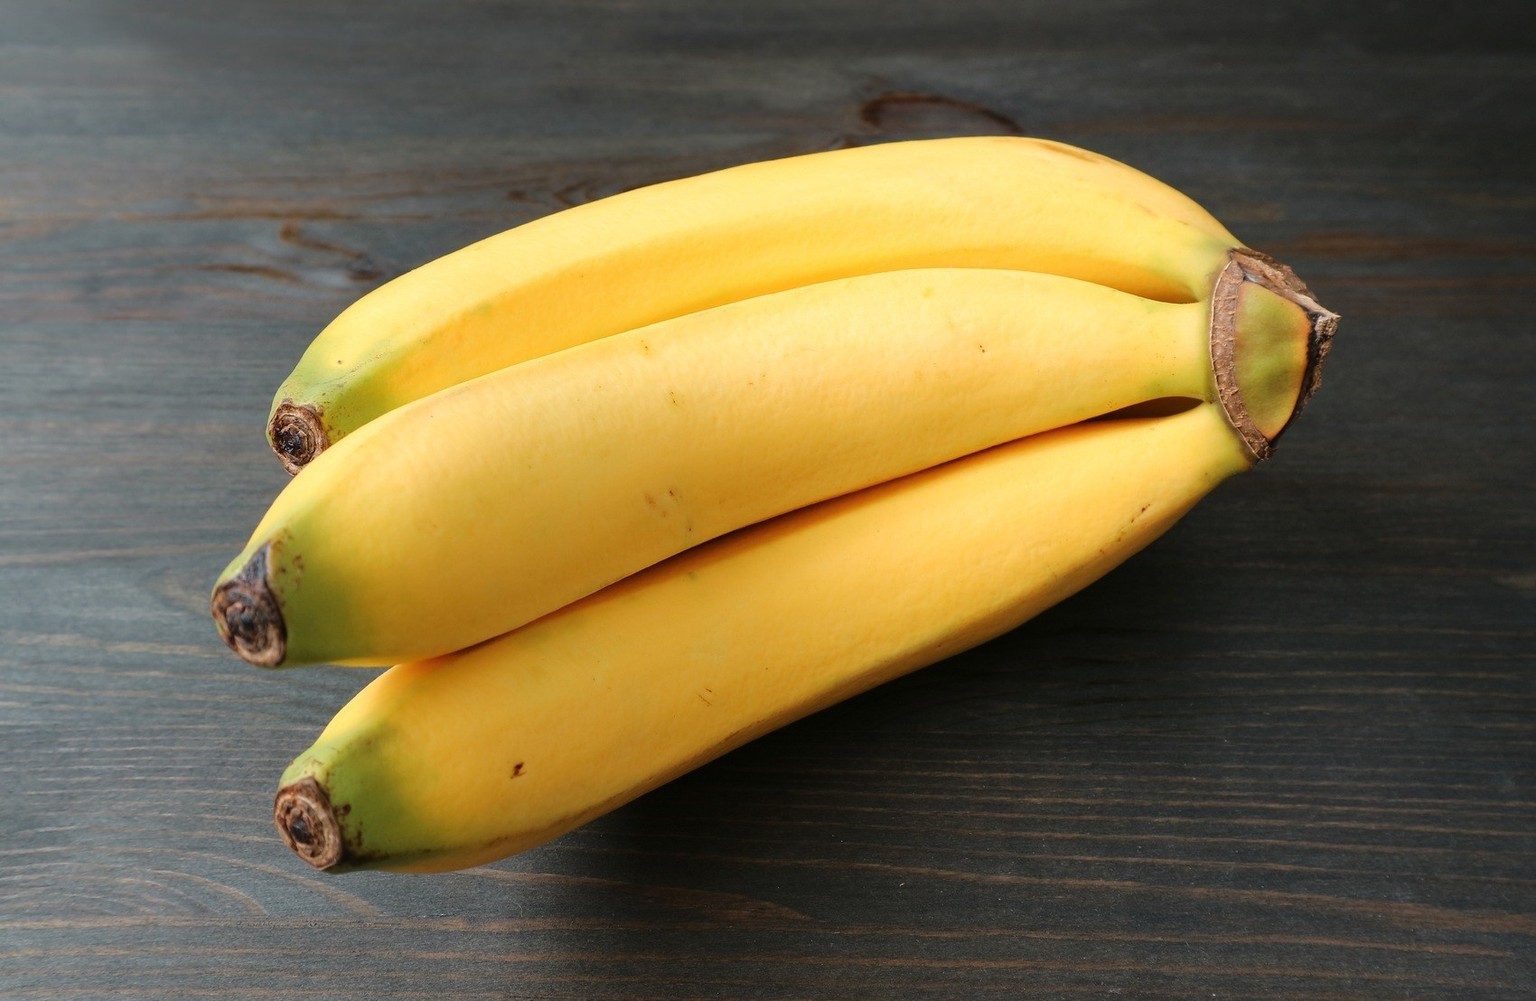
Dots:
{"x": 248, "y": 616}
{"x": 307, "y": 823}
{"x": 297, "y": 435}
{"x": 1244, "y": 266}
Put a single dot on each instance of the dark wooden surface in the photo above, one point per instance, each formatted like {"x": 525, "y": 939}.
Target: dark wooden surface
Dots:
{"x": 1285, "y": 753}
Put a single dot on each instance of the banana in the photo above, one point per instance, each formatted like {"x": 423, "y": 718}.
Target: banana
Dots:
{"x": 679, "y": 247}
{"x": 473, "y": 511}
{"x": 453, "y": 762}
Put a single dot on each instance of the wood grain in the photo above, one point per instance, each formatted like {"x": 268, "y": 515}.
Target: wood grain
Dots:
{"x": 1288, "y": 752}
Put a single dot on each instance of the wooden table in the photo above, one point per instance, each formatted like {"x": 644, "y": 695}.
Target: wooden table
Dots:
{"x": 1287, "y": 752}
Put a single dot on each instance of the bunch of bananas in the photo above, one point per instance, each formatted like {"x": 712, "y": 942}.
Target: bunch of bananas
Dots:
{"x": 627, "y": 486}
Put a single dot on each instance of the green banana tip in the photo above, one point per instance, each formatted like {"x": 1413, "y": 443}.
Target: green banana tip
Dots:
{"x": 307, "y": 823}
{"x": 247, "y": 614}
{"x": 296, "y": 434}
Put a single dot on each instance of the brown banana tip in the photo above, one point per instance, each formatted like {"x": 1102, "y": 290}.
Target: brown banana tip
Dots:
{"x": 307, "y": 824}
{"x": 296, "y": 434}
{"x": 1245, "y": 265}
{"x": 247, "y": 614}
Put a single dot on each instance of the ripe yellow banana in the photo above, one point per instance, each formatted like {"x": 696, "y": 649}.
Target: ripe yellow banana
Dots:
{"x": 675, "y": 248}
{"x": 453, "y": 762}
{"x": 473, "y": 511}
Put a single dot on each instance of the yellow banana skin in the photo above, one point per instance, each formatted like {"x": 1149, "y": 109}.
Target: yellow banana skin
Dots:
{"x": 669, "y": 249}
{"x": 471, "y": 512}
{"x": 454, "y": 762}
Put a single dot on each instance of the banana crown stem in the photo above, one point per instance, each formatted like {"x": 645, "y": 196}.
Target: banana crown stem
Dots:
{"x": 1246, "y": 266}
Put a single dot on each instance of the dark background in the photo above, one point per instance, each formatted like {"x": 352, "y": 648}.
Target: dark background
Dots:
{"x": 1287, "y": 752}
